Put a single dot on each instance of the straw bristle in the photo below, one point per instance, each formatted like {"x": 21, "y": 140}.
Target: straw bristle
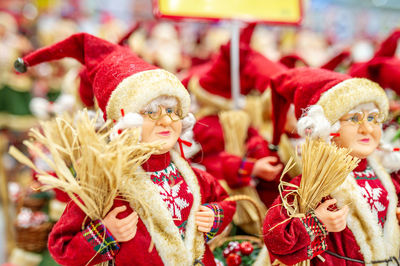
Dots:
{"x": 254, "y": 109}
{"x": 88, "y": 167}
{"x": 235, "y": 125}
{"x": 325, "y": 167}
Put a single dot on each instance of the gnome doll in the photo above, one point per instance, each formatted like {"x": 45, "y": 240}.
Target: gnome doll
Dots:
{"x": 384, "y": 68}
{"x": 188, "y": 204}
{"x": 348, "y": 112}
{"x": 238, "y": 168}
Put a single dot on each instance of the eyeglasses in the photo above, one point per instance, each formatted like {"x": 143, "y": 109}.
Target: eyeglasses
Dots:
{"x": 373, "y": 117}
{"x": 173, "y": 112}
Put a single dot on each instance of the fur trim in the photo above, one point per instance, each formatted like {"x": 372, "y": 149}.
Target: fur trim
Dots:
{"x": 136, "y": 91}
{"x": 208, "y": 99}
{"x": 341, "y": 98}
{"x": 65, "y": 102}
{"x": 263, "y": 258}
{"x": 40, "y": 107}
{"x": 374, "y": 243}
{"x": 164, "y": 233}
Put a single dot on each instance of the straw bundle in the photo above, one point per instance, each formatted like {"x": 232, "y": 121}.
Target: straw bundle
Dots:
{"x": 324, "y": 168}
{"x": 254, "y": 108}
{"x": 235, "y": 124}
{"x": 88, "y": 167}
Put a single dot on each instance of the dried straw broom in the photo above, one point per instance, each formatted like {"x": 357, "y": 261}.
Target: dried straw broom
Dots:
{"x": 100, "y": 167}
{"x": 324, "y": 168}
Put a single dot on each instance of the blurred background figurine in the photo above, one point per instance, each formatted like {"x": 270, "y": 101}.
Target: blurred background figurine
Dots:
{"x": 188, "y": 201}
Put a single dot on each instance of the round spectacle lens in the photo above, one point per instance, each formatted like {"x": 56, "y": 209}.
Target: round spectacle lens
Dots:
{"x": 358, "y": 118}
{"x": 175, "y": 114}
{"x": 154, "y": 114}
{"x": 376, "y": 118}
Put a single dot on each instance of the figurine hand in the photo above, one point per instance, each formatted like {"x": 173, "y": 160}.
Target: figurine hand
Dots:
{"x": 398, "y": 214}
{"x": 122, "y": 229}
{"x": 335, "y": 221}
{"x": 204, "y": 219}
{"x": 264, "y": 168}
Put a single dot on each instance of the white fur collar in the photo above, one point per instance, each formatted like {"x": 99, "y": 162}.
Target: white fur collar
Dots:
{"x": 162, "y": 229}
{"x": 374, "y": 243}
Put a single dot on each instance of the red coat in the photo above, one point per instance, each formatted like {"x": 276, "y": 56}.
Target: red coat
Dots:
{"x": 209, "y": 134}
{"x": 68, "y": 246}
{"x": 290, "y": 241}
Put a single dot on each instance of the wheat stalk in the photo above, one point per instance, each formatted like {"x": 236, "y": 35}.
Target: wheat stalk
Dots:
{"x": 98, "y": 165}
{"x": 324, "y": 168}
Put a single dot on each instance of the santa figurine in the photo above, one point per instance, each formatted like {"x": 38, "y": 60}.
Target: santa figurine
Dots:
{"x": 187, "y": 203}
{"x": 238, "y": 170}
{"x": 348, "y": 112}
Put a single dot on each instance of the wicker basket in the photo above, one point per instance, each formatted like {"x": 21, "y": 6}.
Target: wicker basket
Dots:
{"x": 256, "y": 241}
{"x": 35, "y": 204}
{"x": 34, "y": 238}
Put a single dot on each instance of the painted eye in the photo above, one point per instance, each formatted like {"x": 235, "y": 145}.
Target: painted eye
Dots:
{"x": 354, "y": 119}
{"x": 371, "y": 118}
{"x": 149, "y": 112}
{"x": 169, "y": 110}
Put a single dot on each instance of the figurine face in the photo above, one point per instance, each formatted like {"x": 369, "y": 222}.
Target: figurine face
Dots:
{"x": 163, "y": 124}
{"x": 360, "y": 131}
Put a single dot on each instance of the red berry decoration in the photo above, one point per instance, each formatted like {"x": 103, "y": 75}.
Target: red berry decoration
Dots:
{"x": 246, "y": 248}
{"x": 234, "y": 246}
{"x": 233, "y": 259}
{"x": 226, "y": 252}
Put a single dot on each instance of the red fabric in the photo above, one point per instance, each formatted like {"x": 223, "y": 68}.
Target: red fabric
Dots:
{"x": 383, "y": 70}
{"x": 225, "y": 166}
{"x": 372, "y": 190}
{"x": 396, "y": 181}
{"x": 334, "y": 62}
{"x": 388, "y": 47}
{"x": 289, "y": 241}
{"x": 107, "y": 63}
{"x": 68, "y": 246}
{"x": 128, "y": 34}
{"x": 174, "y": 191}
{"x": 317, "y": 232}
{"x": 384, "y": 67}
{"x": 61, "y": 195}
{"x": 302, "y": 87}
{"x": 255, "y": 72}
{"x": 85, "y": 88}
{"x": 255, "y": 69}
{"x": 292, "y": 60}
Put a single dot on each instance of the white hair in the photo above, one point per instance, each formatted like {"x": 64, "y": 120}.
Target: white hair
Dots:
{"x": 314, "y": 124}
{"x": 390, "y": 159}
{"x": 135, "y": 120}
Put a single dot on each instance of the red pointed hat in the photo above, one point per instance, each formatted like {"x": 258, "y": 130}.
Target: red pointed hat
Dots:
{"x": 119, "y": 79}
{"x": 211, "y": 84}
{"x": 384, "y": 67}
{"x": 389, "y": 45}
{"x": 336, "y": 93}
{"x": 335, "y": 61}
{"x": 292, "y": 60}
